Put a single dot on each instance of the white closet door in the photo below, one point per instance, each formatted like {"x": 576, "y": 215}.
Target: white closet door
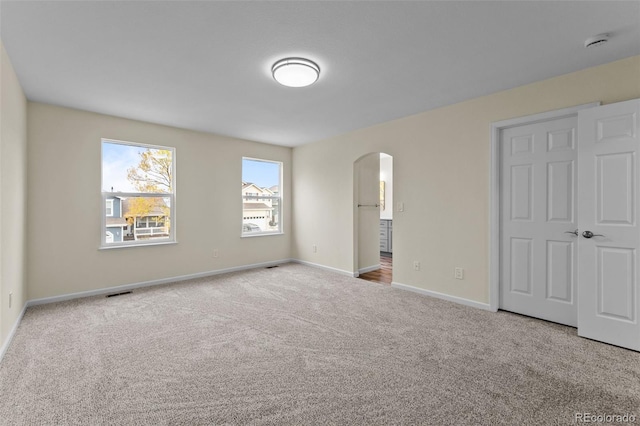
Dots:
{"x": 608, "y": 291}
{"x": 538, "y": 252}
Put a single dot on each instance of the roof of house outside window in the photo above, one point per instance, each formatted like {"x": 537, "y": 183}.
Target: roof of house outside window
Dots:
{"x": 255, "y": 206}
{"x": 116, "y": 221}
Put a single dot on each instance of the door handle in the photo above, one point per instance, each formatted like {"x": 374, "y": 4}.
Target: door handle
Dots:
{"x": 572, "y": 232}
{"x": 589, "y": 234}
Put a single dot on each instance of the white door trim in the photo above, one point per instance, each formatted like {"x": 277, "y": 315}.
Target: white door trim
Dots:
{"x": 494, "y": 193}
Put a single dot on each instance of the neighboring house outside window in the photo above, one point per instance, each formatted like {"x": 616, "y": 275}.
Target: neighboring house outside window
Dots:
{"x": 255, "y": 209}
{"x": 140, "y": 205}
{"x": 261, "y": 201}
{"x": 152, "y": 223}
{"x": 109, "y": 211}
{"x": 115, "y": 223}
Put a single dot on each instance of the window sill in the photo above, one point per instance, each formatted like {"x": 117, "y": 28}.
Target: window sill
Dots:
{"x": 260, "y": 234}
{"x": 119, "y": 246}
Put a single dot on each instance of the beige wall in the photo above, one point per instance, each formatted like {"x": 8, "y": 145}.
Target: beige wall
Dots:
{"x": 441, "y": 164}
{"x": 13, "y": 186}
{"x": 65, "y": 204}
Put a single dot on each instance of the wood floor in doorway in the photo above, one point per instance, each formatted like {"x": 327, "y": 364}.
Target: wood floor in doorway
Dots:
{"x": 382, "y": 275}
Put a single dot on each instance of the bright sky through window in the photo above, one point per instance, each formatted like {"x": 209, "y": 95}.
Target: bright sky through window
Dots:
{"x": 262, "y": 173}
{"x": 116, "y": 160}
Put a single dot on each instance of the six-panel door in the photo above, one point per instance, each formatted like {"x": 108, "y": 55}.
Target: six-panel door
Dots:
{"x": 609, "y": 184}
{"x": 538, "y": 212}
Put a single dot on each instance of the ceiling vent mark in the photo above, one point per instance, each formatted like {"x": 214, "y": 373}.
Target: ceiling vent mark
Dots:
{"x": 597, "y": 40}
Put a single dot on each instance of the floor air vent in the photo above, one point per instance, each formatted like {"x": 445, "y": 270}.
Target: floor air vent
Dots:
{"x": 118, "y": 294}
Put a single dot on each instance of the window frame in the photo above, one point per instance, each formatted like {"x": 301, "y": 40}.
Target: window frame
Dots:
{"x": 171, "y": 239}
{"x": 257, "y": 197}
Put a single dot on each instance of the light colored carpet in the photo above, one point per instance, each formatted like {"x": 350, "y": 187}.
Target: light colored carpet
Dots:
{"x": 299, "y": 345}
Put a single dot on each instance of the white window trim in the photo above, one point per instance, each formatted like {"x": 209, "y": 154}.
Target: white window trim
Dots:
{"x": 109, "y": 206}
{"x": 171, "y": 239}
{"x": 279, "y": 197}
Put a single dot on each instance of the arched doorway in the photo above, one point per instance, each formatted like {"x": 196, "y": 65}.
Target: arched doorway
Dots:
{"x": 373, "y": 217}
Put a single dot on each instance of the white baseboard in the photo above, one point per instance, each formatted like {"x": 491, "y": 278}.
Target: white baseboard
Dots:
{"x": 328, "y": 268}
{"x": 456, "y": 299}
{"x": 127, "y": 287}
{"x": 12, "y": 332}
{"x": 369, "y": 269}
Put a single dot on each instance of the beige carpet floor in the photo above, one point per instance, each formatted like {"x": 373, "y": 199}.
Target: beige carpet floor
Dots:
{"x": 299, "y": 345}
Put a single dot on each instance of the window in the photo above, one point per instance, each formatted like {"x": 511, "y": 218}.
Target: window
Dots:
{"x": 261, "y": 197}
{"x": 138, "y": 194}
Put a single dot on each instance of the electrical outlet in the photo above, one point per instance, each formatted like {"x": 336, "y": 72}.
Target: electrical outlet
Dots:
{"x": 416, "y": 265}
{"x": 315, "y": 248}
{"x": 216, "y": 253}
{"x": 459, "y": 273}
{"x": 10, "y": 298}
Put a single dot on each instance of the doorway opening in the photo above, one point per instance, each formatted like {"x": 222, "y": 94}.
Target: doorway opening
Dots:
{"x": 373, "y": 217}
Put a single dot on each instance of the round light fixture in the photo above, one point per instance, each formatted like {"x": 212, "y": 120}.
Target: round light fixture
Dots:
{"x": 295, "y": 72}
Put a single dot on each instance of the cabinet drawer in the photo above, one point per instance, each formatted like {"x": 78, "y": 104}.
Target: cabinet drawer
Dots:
{"x": 384, "y": 233}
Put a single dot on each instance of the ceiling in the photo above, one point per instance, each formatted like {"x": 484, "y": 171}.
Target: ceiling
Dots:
{"x": 206, "y": 65}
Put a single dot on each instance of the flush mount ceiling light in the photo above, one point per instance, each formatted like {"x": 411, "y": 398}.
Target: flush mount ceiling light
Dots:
{"x": 295, "y": 72}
